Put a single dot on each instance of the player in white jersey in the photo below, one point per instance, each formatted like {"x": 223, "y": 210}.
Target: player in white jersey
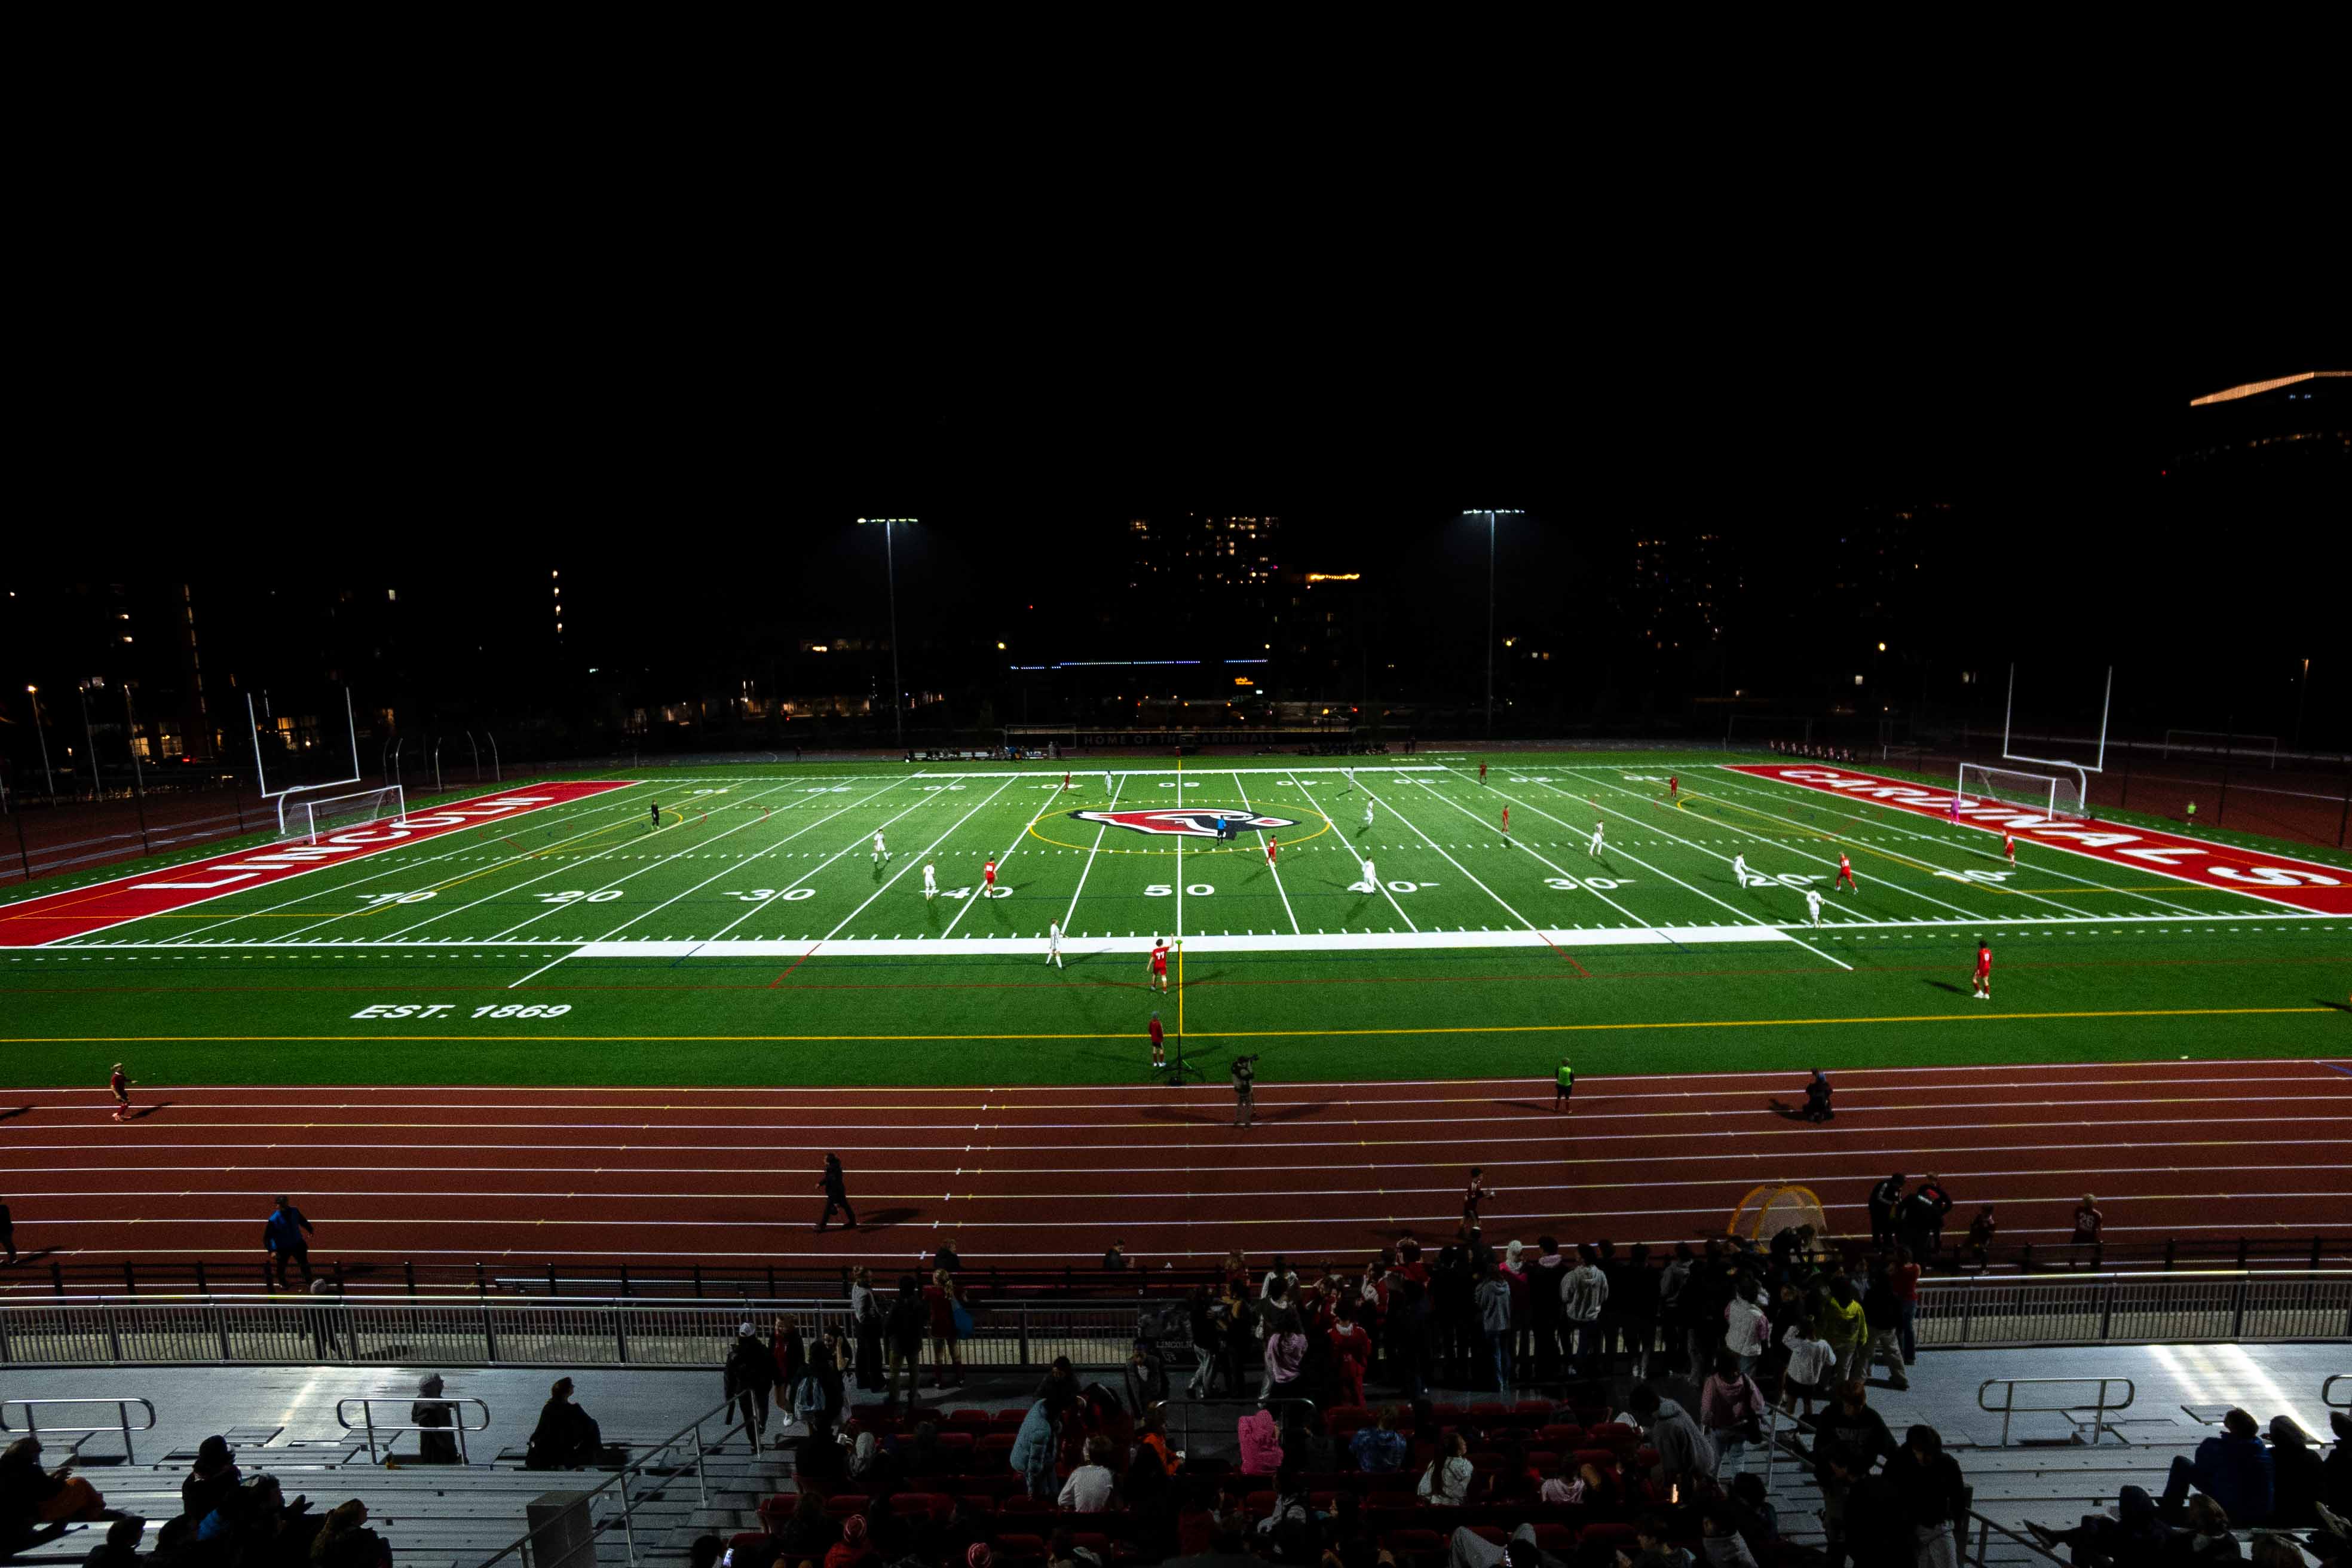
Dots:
{"x": 1054, "y": 943}
{"x": 931, "y": 882}
{"x": 1594, "y": 847}
{"x": 1371, "y": 882}
{"x": 880, "y": 854}
{"x": 1349, "y": 774}
{"x": 1368, "y": 817}
{"x": 1739, "y": 869}
{"x": 1814, "y": 904}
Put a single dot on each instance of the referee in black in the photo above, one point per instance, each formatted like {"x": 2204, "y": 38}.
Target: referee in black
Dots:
{"x": 836, "y": 1193}
{"x": 1244, "y": 1076}
{"x": 655, "y": 809}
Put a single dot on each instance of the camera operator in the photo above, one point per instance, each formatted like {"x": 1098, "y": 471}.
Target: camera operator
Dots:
{"x": 1244, "y": 1076}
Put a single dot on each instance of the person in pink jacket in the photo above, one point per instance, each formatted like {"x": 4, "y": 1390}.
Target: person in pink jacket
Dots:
{"x": 1261, "y": 1443}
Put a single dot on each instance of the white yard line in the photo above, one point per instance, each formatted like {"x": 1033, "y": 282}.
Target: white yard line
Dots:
{"x": 1269, "y": 865}
{"x": 770, "y": 902}
{"x": 1637, "y": 860}
{"x": 1009, "y": 850}
{"x": 1100, "y": 828}
{"x": 1341, "y": 833}
{"x": 409, "y": 867}
{"x": 1784, "y": 849}
{"x": 927, "y": 849}
{"x": 1752, "y": 787}
{"x": 601, "y": 886}
{"x": 1490, "y": 892}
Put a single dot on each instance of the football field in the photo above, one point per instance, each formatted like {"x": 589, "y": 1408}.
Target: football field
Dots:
{"x": 738, "y": 926}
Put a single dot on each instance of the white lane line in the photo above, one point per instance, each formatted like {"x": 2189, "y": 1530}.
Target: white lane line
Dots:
{"x": 1084, "y": 871}
{"x": 1426, "y": 838}
{"x": 1270, "y": 865}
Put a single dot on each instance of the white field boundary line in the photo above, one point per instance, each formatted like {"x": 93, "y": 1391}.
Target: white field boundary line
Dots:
{"x": 1426, "y": 838}
{"x": 1274, "y": 942}
{"x": 735, "y": 869}
{"x": 1276, "y": 773}
{"x": 1749, "y": 785}
{"x": 1270, "y": 942}
{"x": 1804, "y": 793}
{"x": 1800, "y": 854}
{"x": 1270, "y": 865}
{"x": 591, "y": 806}
{"x": 893, "y": 880}
{"x": 1637, "y": 860}
{"x": 1353, "y": 853}
{"x": 1087, "y": 870}
{"x": 688, "y": 1194}
{"x": 979, "y": 892}
{"x": 611, "y": 883}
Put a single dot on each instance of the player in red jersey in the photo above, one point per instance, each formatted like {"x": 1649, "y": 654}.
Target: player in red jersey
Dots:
{"x": 1160, "y": 963}
{"x": 1272, "y": 844}
{"x": 1983, "y": 985}
{"x": 1158, "y": 1049}
{"x": 1846, "y": 874}
{"x": 1065, "y": 781}
{"x": 1507, "y": 820}
{"x": 2008, "y": 848}
{"x": 988, "y": 874}
{"x": 121, "y": 1088}
{"x": 1482, "y": 773}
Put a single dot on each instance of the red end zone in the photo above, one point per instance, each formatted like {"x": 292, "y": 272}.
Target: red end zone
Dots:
{"x": 2281, "y": 879}
{"x": 85, "y": 910}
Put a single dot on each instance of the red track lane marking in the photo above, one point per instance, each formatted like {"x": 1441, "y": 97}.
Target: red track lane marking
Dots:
{"x": 787, "y": 974}
{"x": 2307, "y": 885}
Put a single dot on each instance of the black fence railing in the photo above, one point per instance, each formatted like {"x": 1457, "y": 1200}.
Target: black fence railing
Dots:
{"x": 602, "y": 1279}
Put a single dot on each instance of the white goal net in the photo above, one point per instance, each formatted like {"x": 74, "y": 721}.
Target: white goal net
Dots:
{"x": 2055, "y": 795}
{"x": 317, "y": 816}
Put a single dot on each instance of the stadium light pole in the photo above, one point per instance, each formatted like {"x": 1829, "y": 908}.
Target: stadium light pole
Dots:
{"x": 89, "y": 739}
{"x": 48, "y": 782}
{"x": 1491, "y": 513}
{"x": 890, "y": 576}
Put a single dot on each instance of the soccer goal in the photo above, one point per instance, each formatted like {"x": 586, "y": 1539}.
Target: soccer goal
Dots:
{"x": 321, "y": 815}
{"x": 2055, "y": 795}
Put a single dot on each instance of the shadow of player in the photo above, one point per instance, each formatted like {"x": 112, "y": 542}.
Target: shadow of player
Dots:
{"x": 15, "y": 1112}
{"x": 1947, "y": 985}
{"x": 142, "y": 1113}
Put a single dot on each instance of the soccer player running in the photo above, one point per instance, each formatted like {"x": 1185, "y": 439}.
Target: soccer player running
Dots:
{"x": 880, "y": 853}
{"x": 1371, "y": 882}
{"x": 1674, "y": 786}
{"x": 1054, "y": 943}
{"x": 1349, "y": 774}
{"x": 121, "y": 1088}
{"x": 1506, "y": 822}
{"x": 1272, "y": 845}
{"x": 1980, "y": 985}
{"x": 930, "y": 881}
{"x": 655, "y": 809}
{"x": 1160, "y": 963}
{"x": 2008, "y": 848}
{"x": 1739, "y": 870}
{"x": 1814, "y": 905}
{"x": 1593, "y": 848}
{"x": 1368, "y": 817}
{"x": 1482, "y": 773}
{"x": 988, "y": 877}
{"x": 1846, "y": 874}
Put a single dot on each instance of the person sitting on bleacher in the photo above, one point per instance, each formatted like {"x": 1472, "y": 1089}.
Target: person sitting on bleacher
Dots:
{"x": 1091, "y": 1486}
{"x": 566, "y": 1436}
{"x": 120, "y": 1547}
{"x": 1381, "y": 1449}
{"x": 2234, "y": 1469}
{"x": 32, "y": 1499}
{"x": 346, "y": 1541}
{"x": 1468, "y": 1548}
{"x": 2206, "y": 1540}
{"x": 2134, "y": 1538}
{"x": 264, "y": 1529}
{"x": 853, "y": 1550}
{"x": 2295, "y": 1477}
{"x": 212, "y": 1478}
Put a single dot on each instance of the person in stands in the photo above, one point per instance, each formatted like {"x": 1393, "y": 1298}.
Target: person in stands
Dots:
{"x": 566, "y": 1437}
{"x": 2234, "y": 1469}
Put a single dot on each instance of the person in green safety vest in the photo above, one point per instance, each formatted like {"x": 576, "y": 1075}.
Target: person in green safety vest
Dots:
{"x": 1563, "y": 1085}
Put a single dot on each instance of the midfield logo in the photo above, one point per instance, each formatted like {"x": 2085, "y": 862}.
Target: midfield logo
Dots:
{"x": 1186, "y": 822}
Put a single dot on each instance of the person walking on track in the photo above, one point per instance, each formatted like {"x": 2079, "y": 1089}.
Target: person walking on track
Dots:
{"x": 1244, "y": 1079}
{"x": 1159, "y": 1043}
{"x": 1563, "y": 1085}
{"x": 121, "y": 1086}
{"x": 836, "y": 1194}
{"x": 287, "y": 1238}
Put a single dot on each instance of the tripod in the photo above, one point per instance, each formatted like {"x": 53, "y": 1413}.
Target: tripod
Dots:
{"x": 1176, "y": 1068}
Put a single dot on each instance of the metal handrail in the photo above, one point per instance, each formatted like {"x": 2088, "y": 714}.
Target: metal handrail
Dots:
{"x": 2100, "y": 1408}
{"x": 523, "y": 1549}
{"x": 2327, "y": 1397}
{"x": 122, "y": 1419}
{"x": 391, "y": 1431}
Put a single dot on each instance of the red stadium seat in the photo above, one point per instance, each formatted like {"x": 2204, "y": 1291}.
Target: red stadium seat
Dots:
{"x": 1019, "y": 1549}
{"x": 1559, "y": 1540}
{"x": 1259, "y": 1504}
{"x": 844, "y": 1505}
{"x": 1611, "y": 1534}
{"x": 1535, "y": 1412}
{"x": 1562, "y": 1436}
{"x": 1025, "y": 1504}
{"x": 1010, "y": 1419}
{"x": 1613, "y": 1434}
{"x": 994, "y": 1451}
{"x": 1489, "y": 1414}
{"x": 1424, "y": 1548}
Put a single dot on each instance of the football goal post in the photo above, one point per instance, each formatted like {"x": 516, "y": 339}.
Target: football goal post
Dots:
{"x": 2055, "y": 795}
{"x": 314, "y": 817}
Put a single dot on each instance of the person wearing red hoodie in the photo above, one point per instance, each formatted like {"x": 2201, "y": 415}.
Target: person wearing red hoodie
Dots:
{"x": 853, "y": 1550}
{"x": 1351, "y": 1352}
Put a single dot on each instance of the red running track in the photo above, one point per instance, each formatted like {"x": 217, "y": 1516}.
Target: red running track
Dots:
{"x": 1027, "y": 1177}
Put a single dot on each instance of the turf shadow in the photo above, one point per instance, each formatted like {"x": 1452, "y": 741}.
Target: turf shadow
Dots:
{"x": 882, "y": 1219}
{"x": 144, "y": 1111}
{"x": 2322, "y": 1001}
{"x": 1952, "y": 986}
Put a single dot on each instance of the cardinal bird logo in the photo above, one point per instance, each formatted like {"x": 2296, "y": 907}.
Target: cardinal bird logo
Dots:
{"x": 1186, "y": 822}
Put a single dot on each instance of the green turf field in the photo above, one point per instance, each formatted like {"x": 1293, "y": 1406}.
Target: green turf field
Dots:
{"x": 754, "y": 936}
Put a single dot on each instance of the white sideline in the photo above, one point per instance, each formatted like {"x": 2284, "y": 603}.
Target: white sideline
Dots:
{"x": 1271, "y": 942}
